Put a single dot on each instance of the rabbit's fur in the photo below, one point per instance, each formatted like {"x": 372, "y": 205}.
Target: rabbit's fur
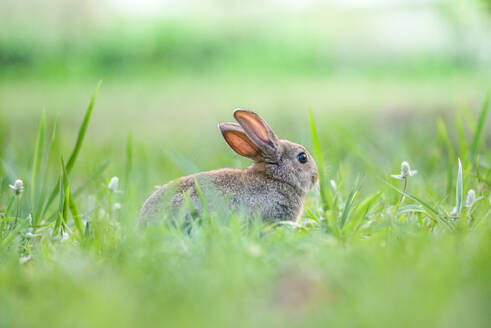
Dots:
{"x": 273, "y": 187}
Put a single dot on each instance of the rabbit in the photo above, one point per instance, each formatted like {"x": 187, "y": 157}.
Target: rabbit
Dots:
{"x": 272, "y": 188}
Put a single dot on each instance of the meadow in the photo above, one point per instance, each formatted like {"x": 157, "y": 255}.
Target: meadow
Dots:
{"x": 380, "y": 243}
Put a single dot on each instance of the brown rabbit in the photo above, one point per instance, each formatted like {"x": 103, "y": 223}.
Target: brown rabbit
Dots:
{"x": 273, "y": 187}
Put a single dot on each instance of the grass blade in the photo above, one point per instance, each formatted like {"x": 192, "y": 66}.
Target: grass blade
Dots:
{"x": 321, "y": 167}
{"x": 312, "y": 216}
{"x": 459, "y": 192}
{"x": 411, "y": 209}
{"x": 82, "y": 131}
{"x": 61, "y": 192}
{"x": 430, "y": 211}
{"x": 480, "y": 125}
{"x": 70, "y": 203}
{"x": 78, "y": 143}
{"x": 348, "y": 204}
{"x": 38, "y": 154}
{"x": 462, "y": 140}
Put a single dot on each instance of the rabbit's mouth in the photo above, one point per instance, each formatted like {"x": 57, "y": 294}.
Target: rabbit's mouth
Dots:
{"x": 314, "y": 178}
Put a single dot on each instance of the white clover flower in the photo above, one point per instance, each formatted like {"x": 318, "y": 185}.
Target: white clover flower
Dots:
{"x": 471, "y": 198}
{"x": 17, "y": 187}
{"x": 116, "y": 207}
{"x": 405, "y": 172}
{"x": 113, "y": 184}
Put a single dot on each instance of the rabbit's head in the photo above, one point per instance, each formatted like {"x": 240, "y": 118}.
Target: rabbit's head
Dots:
{"x": 281, "y": 160}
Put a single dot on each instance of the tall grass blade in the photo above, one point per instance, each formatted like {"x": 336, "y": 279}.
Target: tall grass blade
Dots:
{"x": 82, "y": 131}
{"x": 78, "y": 143}
{"x": 321, "y": 167}
{"x": 480, "y": 125}
{"x": 53, "y": 145}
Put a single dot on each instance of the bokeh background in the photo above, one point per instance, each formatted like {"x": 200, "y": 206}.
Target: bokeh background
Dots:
{"x": 172, "y": 69}
{"x": 386, "y": 80}
{"x": 167, "y": 64}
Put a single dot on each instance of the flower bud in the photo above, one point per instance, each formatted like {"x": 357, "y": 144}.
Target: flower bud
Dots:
{"x": 17, "y": 187}
{"x": 405, "y": 171}
{"x": 471, "y": 198}
{"x": 113, "y": 184}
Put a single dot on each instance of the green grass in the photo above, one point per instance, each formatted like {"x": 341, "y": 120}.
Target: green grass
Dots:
{"x": 359, "y": 257}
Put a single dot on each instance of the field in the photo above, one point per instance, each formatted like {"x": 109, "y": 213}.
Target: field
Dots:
{"x": 371, "y": 249}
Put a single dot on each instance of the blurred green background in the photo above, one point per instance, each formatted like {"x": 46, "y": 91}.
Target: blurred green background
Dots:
{"x": 169, "y": 63}
{"x": 172, "y": 70}
{"x": 377, "y": 75}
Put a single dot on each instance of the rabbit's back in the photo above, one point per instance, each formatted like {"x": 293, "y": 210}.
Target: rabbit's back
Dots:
{"x": 244, "y": 190}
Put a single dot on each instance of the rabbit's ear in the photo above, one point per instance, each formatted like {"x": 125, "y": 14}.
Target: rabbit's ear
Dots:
{"x": 258, "y": 130}
{"x": 237, "y": 139}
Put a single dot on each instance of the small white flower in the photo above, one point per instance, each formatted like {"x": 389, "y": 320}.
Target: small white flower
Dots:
{"x": 65, "y": 236}
{"x": 405, "y": 172}
{"x": 113, "y": 184}
{"x": 17, "y": 187}
{"x": 333, "y": 185}
{"x": 471, "y": 198}
{"x": 30, "y": 235}
{"x": 116, "y": 207}
{"x": 25, "y": 259}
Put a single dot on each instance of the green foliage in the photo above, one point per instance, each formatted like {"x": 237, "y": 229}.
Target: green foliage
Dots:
{"x": 480, "y": 125}
{"x": 173, "y": 47}
{"x": 358, "y": 250}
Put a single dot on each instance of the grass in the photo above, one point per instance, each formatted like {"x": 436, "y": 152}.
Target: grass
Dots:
{"x": 360, "y": 256}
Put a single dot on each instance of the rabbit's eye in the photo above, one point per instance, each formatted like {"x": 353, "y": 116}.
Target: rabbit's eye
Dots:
{"x": 302, "y": 158}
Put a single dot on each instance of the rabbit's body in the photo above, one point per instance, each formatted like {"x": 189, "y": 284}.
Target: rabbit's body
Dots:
{"x": 250, "y": 190}
{"x": 272, "y": 188}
